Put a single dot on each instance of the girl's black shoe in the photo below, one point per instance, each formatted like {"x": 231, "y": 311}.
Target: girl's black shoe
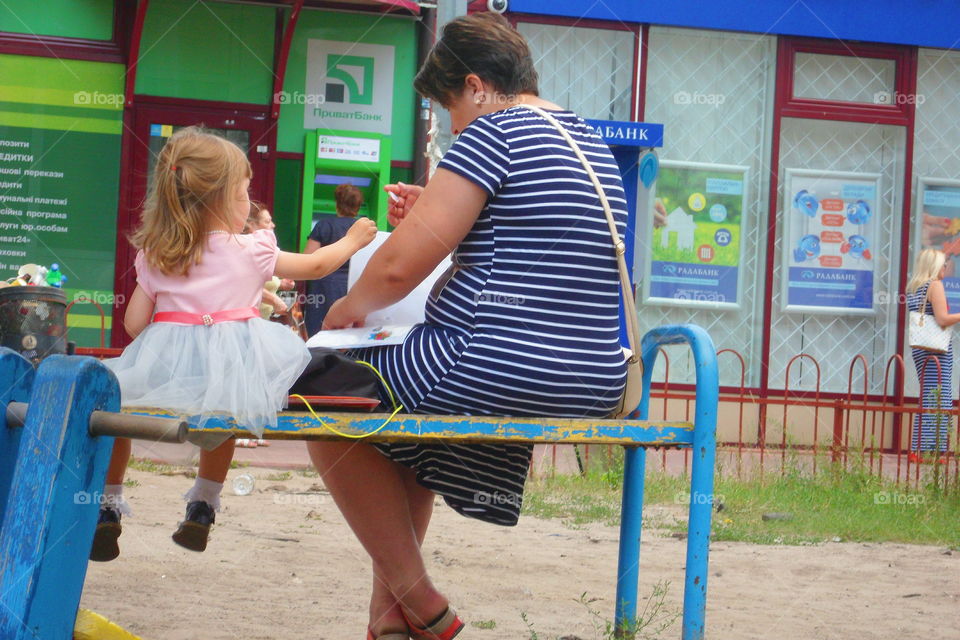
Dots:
{"x": 193, "y": 531}
{"x": 105, "y": 547}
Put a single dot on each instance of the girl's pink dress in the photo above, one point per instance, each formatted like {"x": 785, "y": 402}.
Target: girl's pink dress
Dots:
{"x": 242, "y": 369}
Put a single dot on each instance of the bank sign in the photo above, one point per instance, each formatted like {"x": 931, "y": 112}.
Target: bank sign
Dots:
{"x": 349, "y": 86}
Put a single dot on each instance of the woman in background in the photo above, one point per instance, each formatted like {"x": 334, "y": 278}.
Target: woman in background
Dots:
{"x": 934, "y": 370}
{"x": 324, "y": 292}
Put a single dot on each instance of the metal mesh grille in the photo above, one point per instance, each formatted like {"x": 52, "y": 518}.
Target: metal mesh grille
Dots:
{"x": 936, "y": 139}
{"x": 589, "y": 71}
{"x": 844, "y": 78}
{"x": 715, "y": 92}
{"x": 834, "y": 340}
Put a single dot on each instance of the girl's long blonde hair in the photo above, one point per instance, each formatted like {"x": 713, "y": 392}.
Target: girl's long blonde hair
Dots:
{"x": 195, "y": 184}
{"x": 926, "y": 268}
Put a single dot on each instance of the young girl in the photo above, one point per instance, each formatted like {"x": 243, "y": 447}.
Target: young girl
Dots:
{"x": 200, "y": 347}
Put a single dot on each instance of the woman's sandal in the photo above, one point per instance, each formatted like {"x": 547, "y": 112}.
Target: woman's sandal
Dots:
{"x": 393, "y": 635}
{"x": 445, "y": 627}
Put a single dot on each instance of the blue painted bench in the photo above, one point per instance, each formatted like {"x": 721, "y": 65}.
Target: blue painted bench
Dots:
{"x": 52, "y": 470}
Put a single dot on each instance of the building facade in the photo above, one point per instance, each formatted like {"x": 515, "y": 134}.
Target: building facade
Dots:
{"x": 810, "y": 149}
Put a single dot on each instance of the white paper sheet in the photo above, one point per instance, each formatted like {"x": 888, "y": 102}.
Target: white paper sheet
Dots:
{"x": 385, "y": 326}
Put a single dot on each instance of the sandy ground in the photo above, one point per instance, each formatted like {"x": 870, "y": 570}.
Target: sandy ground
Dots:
{"x": 282, "y": 564}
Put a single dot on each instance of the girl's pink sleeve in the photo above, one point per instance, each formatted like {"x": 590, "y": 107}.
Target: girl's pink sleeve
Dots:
{"x": 265, "y": 252}
{"x": 143, "y": 276}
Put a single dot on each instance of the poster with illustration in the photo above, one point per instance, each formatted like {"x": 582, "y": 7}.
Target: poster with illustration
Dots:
{"x": 830, "y": 223}
{"x": 938, "y": 227}
{"x": 694, "y": 255}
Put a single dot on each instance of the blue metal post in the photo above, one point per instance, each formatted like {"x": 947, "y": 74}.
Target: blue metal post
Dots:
{"x": 701, "y": 484}
{"x": 16, "y": 380}
{"x": 631, "y": 519}
{"x": 52, "y": 510}
{"x": 704, "y": 457}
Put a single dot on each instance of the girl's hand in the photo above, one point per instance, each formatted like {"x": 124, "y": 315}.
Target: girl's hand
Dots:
{"x": 341, "y": 317}
{"x": 287, "y": 284}
{"x": 362, "y": 232}
{"x": 400, "y": 203}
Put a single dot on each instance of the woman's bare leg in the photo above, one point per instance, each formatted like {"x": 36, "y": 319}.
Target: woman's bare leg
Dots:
{"x": 385, "y": 612}
{"x": 371, "y": 492}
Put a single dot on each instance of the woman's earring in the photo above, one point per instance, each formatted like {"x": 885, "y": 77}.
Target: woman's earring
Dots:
{"x": 480, "y": 98}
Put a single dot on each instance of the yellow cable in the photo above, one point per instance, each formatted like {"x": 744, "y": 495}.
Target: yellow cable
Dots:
{"x": 393, "y": 401}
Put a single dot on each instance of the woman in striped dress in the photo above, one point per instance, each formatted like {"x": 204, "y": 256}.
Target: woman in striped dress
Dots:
{"x": 526, "y": 324}
{"x": 934, "y": 370}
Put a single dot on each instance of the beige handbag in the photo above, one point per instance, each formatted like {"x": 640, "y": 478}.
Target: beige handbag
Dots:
{"x": 925, "y": 332}
{"x": 634, "y": 389}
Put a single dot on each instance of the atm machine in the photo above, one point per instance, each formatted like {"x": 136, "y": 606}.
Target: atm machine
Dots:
{"x": 335, "y": 157}
{"x": 634, "y": 147}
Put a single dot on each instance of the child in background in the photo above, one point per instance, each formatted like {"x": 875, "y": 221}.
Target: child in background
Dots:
{"x": 271, "y": 303}
{"x": 201, "y": 348}
{"x": 258, "y": 219}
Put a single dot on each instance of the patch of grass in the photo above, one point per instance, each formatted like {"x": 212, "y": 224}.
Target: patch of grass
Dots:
{"x": 484, "y": 624}
{"x": 308, "y": 472}
{"x": 651, "y": 622}
{"x": 533, "y": 632}
{"x": 142, "y": 464}
{"x": 130, "y": 482}
{"x": 850, "y": 505}
{"x": 573, "y": 499}
{"x": 234, "y": 464}
{"x": 280, "y": 476}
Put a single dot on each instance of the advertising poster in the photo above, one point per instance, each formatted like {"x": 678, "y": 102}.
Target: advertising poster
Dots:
{"x": 830, "y": 223}
{"x": 59, "y": 180}
{"x": 695, "y": 250}
{"x": 938, "y": 227}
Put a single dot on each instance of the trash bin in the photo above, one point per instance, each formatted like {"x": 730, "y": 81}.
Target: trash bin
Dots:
{"x": 33, "y": 321}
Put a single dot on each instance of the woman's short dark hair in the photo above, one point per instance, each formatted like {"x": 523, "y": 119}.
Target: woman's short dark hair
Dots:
{"x": 484, "y": 44}
{"x": 348, "y": 199}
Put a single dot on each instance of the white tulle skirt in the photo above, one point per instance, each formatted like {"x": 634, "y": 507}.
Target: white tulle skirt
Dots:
{"x": 238, "y": 369}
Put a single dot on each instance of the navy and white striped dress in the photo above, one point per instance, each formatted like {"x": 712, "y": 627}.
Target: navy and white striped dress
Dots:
{"x": 528, "y": 324}
{"x": 935, "y": 394}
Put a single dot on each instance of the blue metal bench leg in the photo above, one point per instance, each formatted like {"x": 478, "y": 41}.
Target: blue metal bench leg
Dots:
{"x": 631, "y": 519}
{"x": 701, "y": 512}
{"x": 51, "y": 514}
{"x": 701, "y": 485}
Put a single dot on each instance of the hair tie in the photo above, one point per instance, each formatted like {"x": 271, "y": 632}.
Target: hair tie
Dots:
{"x": 173, "y": 167}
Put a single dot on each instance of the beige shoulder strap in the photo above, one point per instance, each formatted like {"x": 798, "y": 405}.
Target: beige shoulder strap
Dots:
{"x": 629, "y": 307}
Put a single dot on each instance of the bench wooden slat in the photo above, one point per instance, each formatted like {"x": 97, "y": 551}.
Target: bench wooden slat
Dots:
{"x": 295, "y": 425}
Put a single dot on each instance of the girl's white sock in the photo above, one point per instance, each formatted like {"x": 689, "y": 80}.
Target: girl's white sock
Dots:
{"x": 205, "y": 490}
{"x": 113, "y": 498}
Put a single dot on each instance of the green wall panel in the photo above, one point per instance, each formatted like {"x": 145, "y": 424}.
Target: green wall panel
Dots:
{"x": 207, "y": 51}
{"x": 286, "y": 202}
{"x": 60, "y": 130}
{"x": 396, "y": 32}
{"x": 90, "y": 19}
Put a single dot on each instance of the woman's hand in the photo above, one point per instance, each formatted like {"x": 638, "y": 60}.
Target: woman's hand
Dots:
{"x": 399, "y": 205}
{"x": 341, "y": 317}
{"x": 362, "y": 233}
